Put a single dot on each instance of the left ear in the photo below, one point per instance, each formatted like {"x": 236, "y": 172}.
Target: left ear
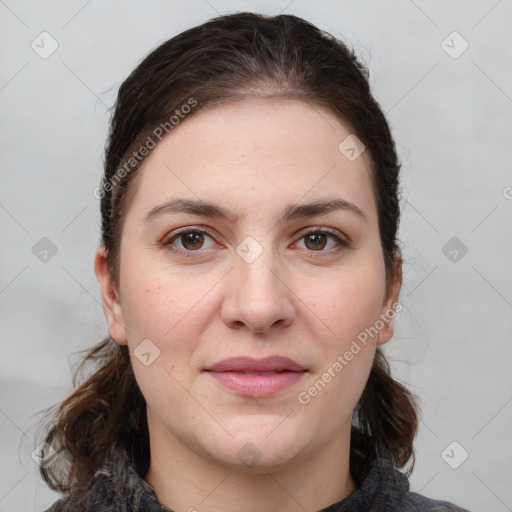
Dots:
{"x": 391, "y": 306}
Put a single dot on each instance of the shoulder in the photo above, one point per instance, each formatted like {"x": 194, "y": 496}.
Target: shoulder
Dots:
{"x": 116, "y": 485}
{"x": 416, "y": 502}
{"x": 385, "y": 487}
{"x": 58, "y": 506}
{"x": 84, "y": 504}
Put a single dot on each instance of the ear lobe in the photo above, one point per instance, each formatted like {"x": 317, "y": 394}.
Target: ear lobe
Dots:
{"x": 391, "y": 305}
{"x": 109, "y": 298}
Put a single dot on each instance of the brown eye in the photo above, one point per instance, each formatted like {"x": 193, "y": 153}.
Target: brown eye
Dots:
{"x": 322, "y": 242}
{"x": 192, "y": 240}
{"x": 315, "y": 241}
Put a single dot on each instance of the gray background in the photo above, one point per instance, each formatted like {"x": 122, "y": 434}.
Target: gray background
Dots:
{"x": 451, "y": 118}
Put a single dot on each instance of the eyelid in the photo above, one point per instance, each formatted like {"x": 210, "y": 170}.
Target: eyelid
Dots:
{"x": 319, "y": 229}
{"x": 342, "y": 241}
{"x": 171, "y": 237}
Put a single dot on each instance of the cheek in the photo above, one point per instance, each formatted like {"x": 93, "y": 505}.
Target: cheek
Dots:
{"x": 350, "y": 306}
{"x": 157, "y": 304}
{"x": 161, "y": 309}
{"x": 350, "y": 301}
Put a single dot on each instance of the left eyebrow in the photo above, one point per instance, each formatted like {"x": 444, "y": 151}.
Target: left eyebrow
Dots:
{"x": 291, "y": 212}
{"x": 297, "y": 211}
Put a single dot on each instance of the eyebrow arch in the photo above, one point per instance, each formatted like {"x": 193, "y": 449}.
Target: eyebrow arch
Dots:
{"x": 291, "y": 212}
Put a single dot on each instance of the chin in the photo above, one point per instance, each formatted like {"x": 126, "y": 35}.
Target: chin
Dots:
{"x": 253, "y": 459}
{"x": 265, "y": 449}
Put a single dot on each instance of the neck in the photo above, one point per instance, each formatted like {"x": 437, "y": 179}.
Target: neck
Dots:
{"x": 185, "y": 481}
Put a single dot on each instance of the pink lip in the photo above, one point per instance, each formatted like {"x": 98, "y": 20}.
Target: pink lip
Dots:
{"x": 230, "y": 373}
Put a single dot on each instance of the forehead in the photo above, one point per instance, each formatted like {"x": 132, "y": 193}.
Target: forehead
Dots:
{"x": 258, "y": 152}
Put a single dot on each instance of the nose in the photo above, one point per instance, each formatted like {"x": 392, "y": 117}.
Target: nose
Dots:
{"x": 257, "y": 296}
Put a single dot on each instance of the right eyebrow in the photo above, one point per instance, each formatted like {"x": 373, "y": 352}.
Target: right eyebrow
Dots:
{"x": 195, "y": 207}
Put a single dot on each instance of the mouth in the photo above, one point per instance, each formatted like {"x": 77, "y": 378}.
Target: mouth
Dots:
{"x": 259, "y": 373}
{"x": 246, "y": 364}
{"x": 257, "y": 378}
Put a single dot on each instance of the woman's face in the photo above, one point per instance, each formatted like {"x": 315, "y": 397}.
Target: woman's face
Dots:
{"x": 218, "y": 261}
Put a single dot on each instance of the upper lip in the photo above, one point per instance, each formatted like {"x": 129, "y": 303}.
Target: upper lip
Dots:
{"x": 250, "y": 364}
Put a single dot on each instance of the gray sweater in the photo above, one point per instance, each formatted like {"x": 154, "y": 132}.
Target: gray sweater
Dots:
{"x": 117, "y": 487}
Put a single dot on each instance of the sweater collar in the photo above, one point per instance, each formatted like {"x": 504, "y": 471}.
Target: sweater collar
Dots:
{"x": 118, "y": 484}
{"x": 382, "y": 490}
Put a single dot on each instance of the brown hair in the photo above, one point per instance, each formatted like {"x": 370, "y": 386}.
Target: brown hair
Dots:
{"x": 226, "y": 59}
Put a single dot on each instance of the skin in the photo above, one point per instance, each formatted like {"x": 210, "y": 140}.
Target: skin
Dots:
{"x": 253, "y": 157}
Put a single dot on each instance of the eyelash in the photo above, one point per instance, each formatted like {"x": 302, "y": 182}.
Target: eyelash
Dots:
{"x": 343, "y": 244}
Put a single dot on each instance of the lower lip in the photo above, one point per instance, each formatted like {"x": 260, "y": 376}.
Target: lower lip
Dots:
{"x": 257, "y": 385}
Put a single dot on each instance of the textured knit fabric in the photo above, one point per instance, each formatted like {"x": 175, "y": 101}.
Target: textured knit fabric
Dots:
{"x": 117, "y": 487}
